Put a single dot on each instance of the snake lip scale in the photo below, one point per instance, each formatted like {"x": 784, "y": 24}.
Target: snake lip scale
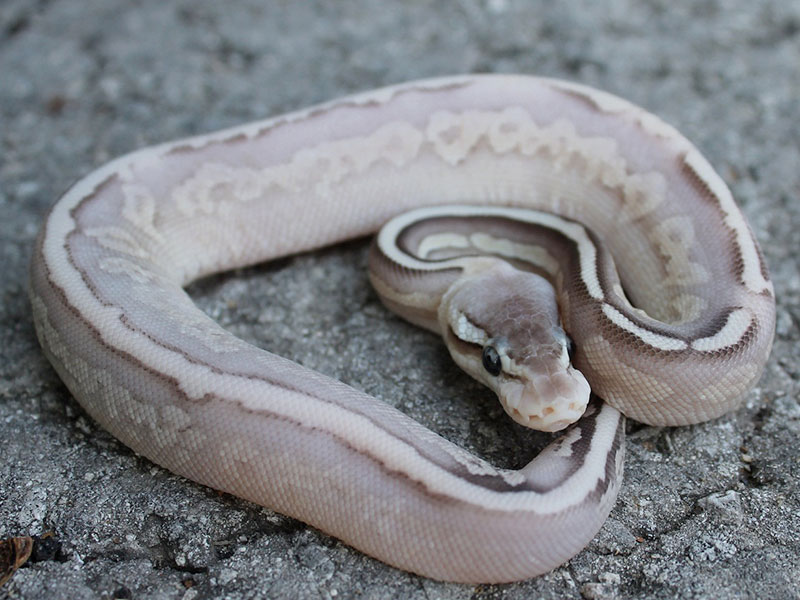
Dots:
{"x": 657, "y": 276}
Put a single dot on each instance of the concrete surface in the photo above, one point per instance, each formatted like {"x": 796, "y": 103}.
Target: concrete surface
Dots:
{"x": 710, "y": 511}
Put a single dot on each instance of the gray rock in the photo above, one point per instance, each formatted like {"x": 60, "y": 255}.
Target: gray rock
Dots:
{"x": 710, "y": 511}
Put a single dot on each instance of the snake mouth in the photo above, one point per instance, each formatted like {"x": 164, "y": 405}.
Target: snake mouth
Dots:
{"x": 544, "y": 422}
{"x": 546, "y": 403}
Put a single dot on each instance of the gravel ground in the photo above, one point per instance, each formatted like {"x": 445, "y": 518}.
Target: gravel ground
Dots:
{"x": 709, "y": 511}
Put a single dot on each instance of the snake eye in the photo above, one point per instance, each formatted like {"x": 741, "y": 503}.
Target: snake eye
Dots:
{"x": 491, "y": 361}
{"x": 571, "y": 349}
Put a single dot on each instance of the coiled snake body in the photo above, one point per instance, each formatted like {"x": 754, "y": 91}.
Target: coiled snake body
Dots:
{"x": 675, "y": 329}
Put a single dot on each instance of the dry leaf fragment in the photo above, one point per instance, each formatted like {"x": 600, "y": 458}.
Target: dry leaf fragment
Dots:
{"x": 14, "y": 552}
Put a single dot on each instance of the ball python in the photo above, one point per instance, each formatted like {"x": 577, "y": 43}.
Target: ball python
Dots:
{"x": 657, "y": 277}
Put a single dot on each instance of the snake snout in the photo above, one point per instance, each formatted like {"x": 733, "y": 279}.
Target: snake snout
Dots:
{"x": 547, "y": 403}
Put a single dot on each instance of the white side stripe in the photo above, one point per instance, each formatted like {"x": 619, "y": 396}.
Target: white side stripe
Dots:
{"x": 662, "y": 342}
{"x": 575, "y": 232}
{"x": 751, "y": 276}
{"x": 731, "y": 333}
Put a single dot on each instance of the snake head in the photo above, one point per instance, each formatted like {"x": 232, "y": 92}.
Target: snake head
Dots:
{"x": 502, "y": 327}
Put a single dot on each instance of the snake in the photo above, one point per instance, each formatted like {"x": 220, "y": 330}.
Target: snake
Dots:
{"x": 558, "y": 237}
